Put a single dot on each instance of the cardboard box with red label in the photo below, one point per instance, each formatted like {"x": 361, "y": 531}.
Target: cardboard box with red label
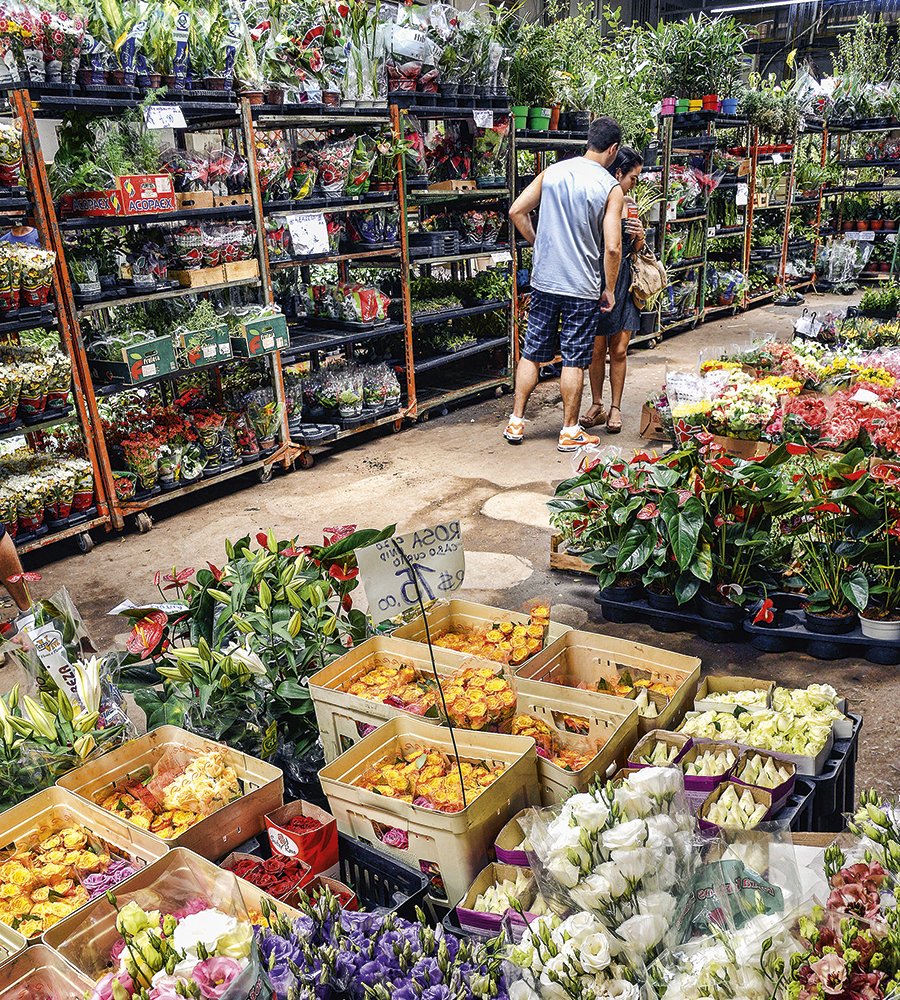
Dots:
{"x": 134, "y": 194}
{"x": 318, "y": 847}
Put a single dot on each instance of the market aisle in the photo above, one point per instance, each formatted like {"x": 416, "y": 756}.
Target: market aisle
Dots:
{"x": 460, "y": 466}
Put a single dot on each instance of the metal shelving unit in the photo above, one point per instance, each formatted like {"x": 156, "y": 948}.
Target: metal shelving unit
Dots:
{"x": 37, "y": 207}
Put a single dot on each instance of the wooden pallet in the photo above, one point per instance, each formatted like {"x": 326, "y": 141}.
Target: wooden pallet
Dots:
{"x": 560, "y": 559}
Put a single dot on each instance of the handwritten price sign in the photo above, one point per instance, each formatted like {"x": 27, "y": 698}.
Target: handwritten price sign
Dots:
{"x": 430, "y": 559}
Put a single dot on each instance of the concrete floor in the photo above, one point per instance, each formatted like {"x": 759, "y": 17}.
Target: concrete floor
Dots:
{"x": 460, "y": 466}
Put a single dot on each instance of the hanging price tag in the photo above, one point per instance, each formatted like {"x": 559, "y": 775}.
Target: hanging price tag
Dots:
{"x": 434, "y": 566}
{"x": 164, "y": 116}
{"x": 309, "y": 233}
{"x": 483, "y": 118}
{"x": 710, "y": 232}
{"x": 742, "y": 195}
{"x": 671, "y": 211}
{"x": 777, "y": 159}
{"x": 501, "y": 257}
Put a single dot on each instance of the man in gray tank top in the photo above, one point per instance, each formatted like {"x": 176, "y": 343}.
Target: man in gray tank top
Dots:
{"x": 577, "y": 252}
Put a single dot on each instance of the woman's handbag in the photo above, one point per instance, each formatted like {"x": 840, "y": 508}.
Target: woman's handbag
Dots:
{"x": 648, "y": 277}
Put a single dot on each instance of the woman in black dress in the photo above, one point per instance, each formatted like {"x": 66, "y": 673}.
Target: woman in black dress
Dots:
{"x": 617, "y": 326}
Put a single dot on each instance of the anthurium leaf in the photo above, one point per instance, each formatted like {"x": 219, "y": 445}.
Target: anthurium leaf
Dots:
{"x": 855, "y": 587}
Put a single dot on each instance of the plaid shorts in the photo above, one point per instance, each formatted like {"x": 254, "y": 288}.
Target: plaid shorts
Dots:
{"x": 575, "y": 334}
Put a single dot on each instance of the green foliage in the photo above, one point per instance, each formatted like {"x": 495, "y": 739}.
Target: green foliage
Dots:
{"x": 866, "y": 53}
{"x": 699, "y": 55}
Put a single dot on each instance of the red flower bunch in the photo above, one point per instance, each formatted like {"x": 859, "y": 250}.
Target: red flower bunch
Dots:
{"x": 207, "y": 420}
{"x": 840, "y": 431}
{"x": 808, "y": 410}
{"x": 278, "y": 876}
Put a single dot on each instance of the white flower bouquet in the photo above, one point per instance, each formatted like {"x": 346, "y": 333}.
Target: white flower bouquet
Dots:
{"x": 622, "y": 854}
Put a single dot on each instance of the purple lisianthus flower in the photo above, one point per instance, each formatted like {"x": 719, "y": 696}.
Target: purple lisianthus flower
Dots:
{"x": 276, "y": 952}
{"x": 437, "y": 993}
{"x": 427, "y": 971}
{"x": 407, "y": 992}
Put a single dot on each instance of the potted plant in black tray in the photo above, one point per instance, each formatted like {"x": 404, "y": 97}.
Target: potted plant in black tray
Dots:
{"x": 827, "y": 531}
{"x": 741, "y": 502}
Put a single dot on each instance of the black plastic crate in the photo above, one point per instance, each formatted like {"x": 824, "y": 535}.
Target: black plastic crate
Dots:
{"x": 440, "y": 244}
{"x": 798, "y": 811}
{"x": 379, "y": 881}
{"x": 835, "y": 787}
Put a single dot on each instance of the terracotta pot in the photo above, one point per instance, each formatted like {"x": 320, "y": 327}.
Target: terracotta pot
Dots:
{"x": 847, "y": 226}
{"x": 116, "y": 77}
{"x": 890, "y": 225}
{"x": 862, "y": 226}
{"x": 876, "y": 225}
{"x": 253, "y": 96}
{"x": 554, "y": 118}
{"x": 275, "y": 96}
{"x": 169, "y": 81}
{"x": 331, "y": 98}
{"x": 214, "y": 83}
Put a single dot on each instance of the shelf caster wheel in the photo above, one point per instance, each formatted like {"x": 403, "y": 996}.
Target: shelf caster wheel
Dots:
{"x": 652, "y": 344}
{"x": 396, "y": 427}
{"x": 307, "y": 460}
{"x": 144, "y": 522}
{"x": 504, "y": 390}
{"x": 266, "y": 472}
{"x": 424, "y": 416}
{"x": 498, "y": 392}
{"x": 85, "y": 542}
{"x": 444, "y": 411}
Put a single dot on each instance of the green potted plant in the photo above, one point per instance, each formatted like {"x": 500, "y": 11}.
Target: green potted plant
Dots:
{"x": 266, "y": 419}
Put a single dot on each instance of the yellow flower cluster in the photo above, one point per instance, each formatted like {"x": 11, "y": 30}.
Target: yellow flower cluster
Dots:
{"x": 877, "y": 376}
{"x": 392, "y": 678}
{"x": 429, "y": 778}
{"x": 206, "y": 784}
{"x": 477, "y": 698}
{"x": 692, "y": 408}
{"x": 782, "y": 383}
{"x": 719, "y": 366}
{"x": 505, "y": 642}
{"x": 548, "y": 744}
{"x": 39, "y": 884}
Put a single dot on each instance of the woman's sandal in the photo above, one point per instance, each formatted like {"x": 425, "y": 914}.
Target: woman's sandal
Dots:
{"x": 588, "y": 421}
{"x": 614, "y": 428}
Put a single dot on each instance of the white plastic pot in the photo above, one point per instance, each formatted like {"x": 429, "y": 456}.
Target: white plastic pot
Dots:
{"x": 875, "y": 628}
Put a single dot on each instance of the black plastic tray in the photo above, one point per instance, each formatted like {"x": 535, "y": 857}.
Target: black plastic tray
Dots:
{"x": 685, "y": 619}
{"x": 794, "y": 635}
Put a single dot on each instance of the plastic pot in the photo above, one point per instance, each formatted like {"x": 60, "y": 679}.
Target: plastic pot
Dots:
{"x": 890, "y": 225}
{"x": 695, "y": 104}
{"x": 831, "y": 624}
{"x": 682, "y": 105}
{"x": 214, "y": 83}
{"x": 539, "y": 118}
{"x": 521, "y": 121}
{"x": 579, "y": 121}
{"x": 729, "y": 105}
{"x": 716, "y": 611}
{"x": 554, "y": 118}
{"x": 668, "y": 107}
{"x": 275, "y": 95}
{"x": 629, "y": 592}
{"x": 662, "y": 602}
{"x": 878, "y": 628}
{"x": 649, "y": 321}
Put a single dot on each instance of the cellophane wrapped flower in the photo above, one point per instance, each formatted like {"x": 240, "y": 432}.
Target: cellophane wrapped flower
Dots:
{"x": 620, "y": 854}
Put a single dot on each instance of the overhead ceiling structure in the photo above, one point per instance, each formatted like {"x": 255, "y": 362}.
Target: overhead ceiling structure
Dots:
{"x": 812, "y": 27}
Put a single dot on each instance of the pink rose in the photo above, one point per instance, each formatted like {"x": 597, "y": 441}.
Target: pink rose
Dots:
{"x": 104, "y": 988}
{"x": 191, "y": 907}
{"x": 116, "y": 951}
{"x": 215, "y": 975}
{"x": 395, "y": 838}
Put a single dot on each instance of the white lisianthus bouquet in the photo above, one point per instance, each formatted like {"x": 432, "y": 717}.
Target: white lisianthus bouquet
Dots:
{"x": 569, "y": 959}
{"x": 621, "y": 854}
{"x": 752, "y": 963}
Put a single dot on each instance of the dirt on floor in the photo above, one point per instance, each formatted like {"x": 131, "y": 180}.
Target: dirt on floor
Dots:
{"x": 460, "y": 466}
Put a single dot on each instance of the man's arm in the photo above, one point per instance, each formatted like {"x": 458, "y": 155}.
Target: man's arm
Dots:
{"x": 612, "y": 246}
{"x": 11, "y": 567}
{"x": 521, "y": 209}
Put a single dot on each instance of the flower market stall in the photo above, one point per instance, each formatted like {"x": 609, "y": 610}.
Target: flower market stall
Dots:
{"x": 442, "y": 860}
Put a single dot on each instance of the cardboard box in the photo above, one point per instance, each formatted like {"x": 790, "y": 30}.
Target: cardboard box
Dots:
{"x": 200, "y": 277}
{"x": 260, "y": 336}
{"x": 806, "y": 765}
{"x": 231, "y": 200}
{"x": 612, "y": 732}
{"x": 466, "y": 185}
{"x": 489, "y": 925}
{"x": 140, "y": 363}
{"x": 40, "y": 972}
{"x": 506, "y": 844}
{"x": 705, "y": 700}
{"x": 215, "y": 835}
{"x": 241, "y": 270}
{"x": 146, "y": 194}
{"x": 780, "y": 793}
{"x": 637, "y": 757}
{"x": 85, "y": 938}
{"x": 55, "y": 808}
{"x": 760, "y": 795}
{"x": 651, "y": 427}
{"x": 449, "y": 848}
{"x": 464, "y": 616}
{"x": 317, "y": 848}
{"x": 194, "y": 199}
{"x": 208, "y": 347}
{"x": 91, "y": 203}
{"x": 742, "y": 448}
{"x": 577, "y": 658}
{"x": 697, "y": 787}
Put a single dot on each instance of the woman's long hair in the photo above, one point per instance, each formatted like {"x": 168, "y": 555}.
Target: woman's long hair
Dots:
{"x": 626, "y": 160}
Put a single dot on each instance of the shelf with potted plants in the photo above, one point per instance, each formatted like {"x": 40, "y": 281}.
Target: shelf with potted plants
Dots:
{"x": 49, "y": 486}
{"x": 155, "y": 295}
